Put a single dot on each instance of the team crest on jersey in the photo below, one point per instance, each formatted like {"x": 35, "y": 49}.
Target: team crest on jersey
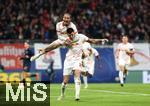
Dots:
{"x": 73, "y": 43}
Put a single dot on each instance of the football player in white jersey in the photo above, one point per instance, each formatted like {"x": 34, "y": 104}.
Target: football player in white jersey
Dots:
{"x": 88, "y": 60}
{"x": 73, "y": 60}
{"x": 123, "y": 54}
{"x": 62, "y": 26}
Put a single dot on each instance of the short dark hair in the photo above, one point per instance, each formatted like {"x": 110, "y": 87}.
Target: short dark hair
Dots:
{"x": 124, "y": 36}
{"x": 68, "y": 14}
{"x": 70, "y": 30}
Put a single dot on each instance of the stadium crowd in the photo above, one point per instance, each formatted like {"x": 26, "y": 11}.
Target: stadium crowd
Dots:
{"x": 36, "y": 19}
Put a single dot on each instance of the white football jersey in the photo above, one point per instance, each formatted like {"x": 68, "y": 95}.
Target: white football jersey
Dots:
{"x": 73, "y": 58}
{"x": 77, "y": 45}
{"x": 122, "y": 50}
{"x": 95, "y": 52}
{"x": 89, "y": 60}
{"x": 61, "y": 29}
{"x": 86, "y": 48}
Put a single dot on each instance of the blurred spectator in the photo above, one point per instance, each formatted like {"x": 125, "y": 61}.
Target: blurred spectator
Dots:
{"x": 36, "y": 19}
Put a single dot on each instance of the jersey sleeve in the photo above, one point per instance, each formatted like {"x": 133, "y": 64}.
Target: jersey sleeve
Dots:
{"x": 119, "y": 47}
{"x": 83, "y": 37}
{"x": 86, "y": 45}
{"x": 57, "y": 29}
{"x": 95, "y": 52}
{"x": 74, "y": 28}
{"x": 131, "y": 47}
{"x": 59, "y": 32}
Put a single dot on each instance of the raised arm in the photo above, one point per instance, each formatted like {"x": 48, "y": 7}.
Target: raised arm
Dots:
{"x": 96, "y": 41}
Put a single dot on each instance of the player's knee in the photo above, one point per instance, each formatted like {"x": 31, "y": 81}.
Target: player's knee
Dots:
{"x": 65, "y": 81}
{"x": 77, "y": 73}
{"x": 64, "y": 84}
{"x": 84, "y": 73}
{"x": 77, "y": 80}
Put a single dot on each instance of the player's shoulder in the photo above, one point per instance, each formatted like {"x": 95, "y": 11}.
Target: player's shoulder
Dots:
{"x": 81, "y": 35}
{"x": 93, "y": 49}
{"x": 29, "y": 49}
{"x": 87, "y": 45}
{"x": 59, "y": 23}
{"x": 72, "y": 24}
{"x": 130, "y": 45}
{"x": 95, "y": 52}
{"x": 120, "y": 44}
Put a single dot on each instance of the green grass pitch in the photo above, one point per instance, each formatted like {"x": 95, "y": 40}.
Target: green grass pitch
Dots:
{"x": 103, "y": 95}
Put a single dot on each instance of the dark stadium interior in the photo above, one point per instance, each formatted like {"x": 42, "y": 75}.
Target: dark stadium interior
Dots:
{"x": 36, "y": 19}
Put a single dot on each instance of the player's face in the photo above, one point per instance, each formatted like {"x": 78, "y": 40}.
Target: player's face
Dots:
{"x": 66, "y": 19}
{"x": 125, "y": 39}
{"x": 26, "y": 45}
{"x": 71, "y": 36}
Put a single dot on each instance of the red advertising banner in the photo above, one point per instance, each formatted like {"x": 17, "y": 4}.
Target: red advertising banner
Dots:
{"x": 9, "y": 55}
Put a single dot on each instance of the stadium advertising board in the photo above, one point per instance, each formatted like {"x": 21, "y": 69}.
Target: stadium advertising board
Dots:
{"x": 104, "y": 70}
{"x": 146, "y": 76}
{"x": 9, "y": 56}
{"x": 43, "y": 62}
{"x": 15, "y": 77}
{"x": 141, "y": 58}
